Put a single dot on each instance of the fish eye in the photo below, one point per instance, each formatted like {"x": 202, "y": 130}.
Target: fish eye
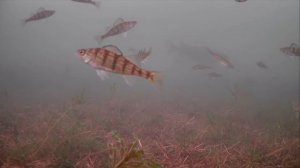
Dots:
{"x": 82, "y": 51}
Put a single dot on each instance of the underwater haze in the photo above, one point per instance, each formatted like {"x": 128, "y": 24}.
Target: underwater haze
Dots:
{"x": 222, "y": 94}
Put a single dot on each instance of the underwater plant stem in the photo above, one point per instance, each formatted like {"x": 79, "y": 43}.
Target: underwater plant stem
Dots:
{"x": 125, "y": 157}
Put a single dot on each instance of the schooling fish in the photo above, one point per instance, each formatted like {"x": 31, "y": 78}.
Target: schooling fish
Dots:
{"x": 185, "y": 50}
{"x": 120, "y": 26}
{"x": 111, "y": 59}
{"x": 292, "y": 50}
{"x": 221, "y": 59}
{"x": 97, "y": 4}
{"x": 200, "y": 67}
{"x": 214, "y": 75}
{"x": 262, "y": 65}
{"x": 40, "y": 14}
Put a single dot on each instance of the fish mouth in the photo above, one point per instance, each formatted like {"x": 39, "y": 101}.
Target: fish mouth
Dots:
{"x": 78, "y": 55}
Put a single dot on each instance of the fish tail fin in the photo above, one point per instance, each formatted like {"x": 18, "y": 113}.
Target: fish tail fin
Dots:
{"x": 156, "y": 79}
{"x": 99, "y": 39}
{"x": 97, "y": 4}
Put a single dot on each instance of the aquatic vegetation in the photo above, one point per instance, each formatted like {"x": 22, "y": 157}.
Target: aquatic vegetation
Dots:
{"x": 83, "y": 135}
{"x": 79, "y": 98}
{"x": 130, "y": 155}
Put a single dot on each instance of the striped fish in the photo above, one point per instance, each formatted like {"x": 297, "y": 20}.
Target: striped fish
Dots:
{"x": 97, "y": 4}
{"x": 110, "y": 59}
{"x": 292, "y": 50}
{"x": 40, "y": 14}
{"x": 120, "y": 26}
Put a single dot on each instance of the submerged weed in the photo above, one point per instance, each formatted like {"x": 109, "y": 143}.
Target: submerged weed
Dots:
{"x": 186, "y": 136}
{"x": 130, "y": 155}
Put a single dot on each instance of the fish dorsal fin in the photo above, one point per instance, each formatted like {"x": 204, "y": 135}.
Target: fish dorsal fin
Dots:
{"x": 224, "y": 57}
{"x": 118, "y": 21}
{"x": 293, "y": 45}
{"x": 113, "y": 49}
{"x": 210, "y": 51}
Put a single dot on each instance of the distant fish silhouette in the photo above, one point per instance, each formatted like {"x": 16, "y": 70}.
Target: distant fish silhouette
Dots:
{"x": 120, "y": 26}
{"x": 221, "y": 59}
{"x": 292, "y": 50}
{"x": 184, "y": 49}
{"x": 97, "y": 4}
{"x": 262, "y": 65}
{"x": 200, "y": 67}
{"x": 240, "y": 0}
{"x": 40, "y": 14}
{"x": 214, "y": 75}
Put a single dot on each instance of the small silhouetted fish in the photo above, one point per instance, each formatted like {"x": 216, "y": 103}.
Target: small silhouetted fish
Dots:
{"x": 183, "y": 49}
{"x": 120, "y": 26}
{"x": 200, "y": 67}
{"x": 240, "y": 0}
{"x": 262, "y": 65}
{"x": 292, "y": 50}
{"x": 214, "y": 75}
{"x": 97, "y": 4}
{"x": 40, "y": 14}
{"x": 221, "y": 59}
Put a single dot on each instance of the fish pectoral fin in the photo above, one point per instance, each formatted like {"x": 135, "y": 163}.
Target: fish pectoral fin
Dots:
{"x": 293, "y": 45}
{"x": 129, "y": 80}
{"x": 113, "y": 48}
{"x": 118, "y": 21}
{"x": 102, "y": 74}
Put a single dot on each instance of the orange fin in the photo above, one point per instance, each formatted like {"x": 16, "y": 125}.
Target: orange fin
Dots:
{"x": 156, "y": 79}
